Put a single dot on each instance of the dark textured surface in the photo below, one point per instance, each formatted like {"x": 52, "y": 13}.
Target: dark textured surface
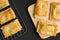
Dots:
{"x": 22, "y": 6}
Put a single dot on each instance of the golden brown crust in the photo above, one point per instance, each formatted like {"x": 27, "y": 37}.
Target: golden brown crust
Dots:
{"x": 11, "y": 28}
{"x": 47, "y": 29}
{"x": 55, "y": 11}
{"x": 3, "y": 3}
{"x": 6, "y": 15}
{"x": 42, "y": 9}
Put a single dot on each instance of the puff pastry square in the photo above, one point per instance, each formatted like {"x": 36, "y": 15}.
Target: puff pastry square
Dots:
{"x": 47, "y": 28}
{"x": 3, "y": 3}
{"x": 6, "y": 15}
{"x": 55, "y": 11}
{"x": 42, "y": 9}
{"x": 11, "y": 28}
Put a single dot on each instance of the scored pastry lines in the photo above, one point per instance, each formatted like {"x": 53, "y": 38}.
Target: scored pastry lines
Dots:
{"x": 55, "y": 12}
{"x": 6, "y": 15}
{"x": 42, "y": 10}
{"x": 47, "y": 28}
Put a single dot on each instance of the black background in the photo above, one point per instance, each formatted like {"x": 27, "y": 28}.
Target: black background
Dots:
{"x": 31, "y": 34}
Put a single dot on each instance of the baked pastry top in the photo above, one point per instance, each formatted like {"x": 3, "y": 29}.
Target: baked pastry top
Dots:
{"x": 6, "y": 15}
{"x": 55, "y": 11}
{"x": 3, "y": 3}
{"x": 47, "y": 28}
{"x": 11, "y": 28}
{"x": 42, "y": 9}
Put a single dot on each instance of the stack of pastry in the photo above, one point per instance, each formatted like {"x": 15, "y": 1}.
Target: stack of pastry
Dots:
{"x": 6, "y": 16}
{"x": 46, "y": 17}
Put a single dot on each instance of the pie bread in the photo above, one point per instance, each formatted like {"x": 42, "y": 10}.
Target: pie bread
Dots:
{"x": 47, "y": 28}
{"x": 3, "y": 3}
{"x": 55, "y": 11}
{"x": 6, "y": 15}
{"x": 11, "y": 28}
{"x": 42, "y": 9}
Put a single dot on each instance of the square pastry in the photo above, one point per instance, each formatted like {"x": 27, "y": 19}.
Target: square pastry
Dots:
{"x": 55, "y": 11}
{"x": 42, "y": 9}
{"x": 11, "y": 28}
{"x": 6, "y": 15}
{"x": 47, "y": 28}
{"x": 3, "y": 3}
